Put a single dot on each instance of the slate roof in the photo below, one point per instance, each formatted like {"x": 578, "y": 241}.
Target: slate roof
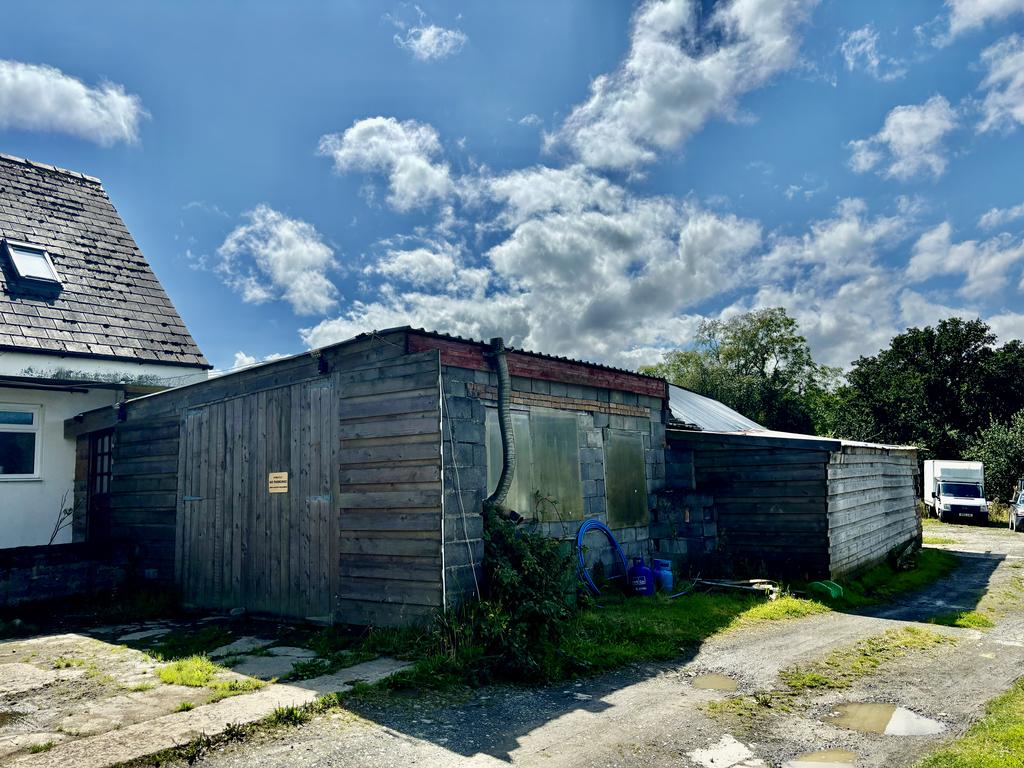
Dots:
{"x": 111, "y": 305}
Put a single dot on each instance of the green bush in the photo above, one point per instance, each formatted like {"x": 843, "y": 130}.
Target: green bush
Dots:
{"x": 1001, "y": 448}
{"x": 529, "y": 596}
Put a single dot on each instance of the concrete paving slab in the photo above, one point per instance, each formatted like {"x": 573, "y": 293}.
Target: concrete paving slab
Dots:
{"x": 292, "y": 651}
{"x": 136, "y": 741}
{"x": 18, "y": 677}
{"x": 240, "y": 646}
{"x": 264, "y": 667}
{"x": 142, "y": 635}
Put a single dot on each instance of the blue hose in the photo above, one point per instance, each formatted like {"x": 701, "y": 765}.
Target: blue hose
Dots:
{"x": 595, "y": 525}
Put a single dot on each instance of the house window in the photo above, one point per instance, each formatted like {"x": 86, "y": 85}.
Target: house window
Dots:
{"x": 19, "y": 441}
{"x": 31, "y": 264}
{"x": 625, "y": 478}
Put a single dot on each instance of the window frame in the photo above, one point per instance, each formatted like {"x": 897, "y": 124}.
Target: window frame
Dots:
{"x": 36, "y": 428}
{"x": 55, "y": 282}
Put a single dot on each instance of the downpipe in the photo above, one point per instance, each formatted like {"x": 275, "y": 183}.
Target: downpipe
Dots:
{"x": 498, "y": 355}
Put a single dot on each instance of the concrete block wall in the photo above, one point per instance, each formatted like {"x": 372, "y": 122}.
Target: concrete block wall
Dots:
{"x": 468, "y": 393}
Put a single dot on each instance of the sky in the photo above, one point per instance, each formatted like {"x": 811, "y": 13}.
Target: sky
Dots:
{"x": 588, "y": 178}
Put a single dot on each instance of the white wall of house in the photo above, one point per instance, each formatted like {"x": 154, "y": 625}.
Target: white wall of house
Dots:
{"x": 29, "y": 507}
{"x": 44, "y": 366}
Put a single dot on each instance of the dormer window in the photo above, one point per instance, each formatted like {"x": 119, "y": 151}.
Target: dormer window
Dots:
{"x": 31, "y": 263}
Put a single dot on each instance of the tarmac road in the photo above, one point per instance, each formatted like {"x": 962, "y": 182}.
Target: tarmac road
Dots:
{"x": 654, "y": 715}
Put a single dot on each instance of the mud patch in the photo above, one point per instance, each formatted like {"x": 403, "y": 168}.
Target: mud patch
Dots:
{"x": 886, "y": 719}
{"x": 826, "y": 758}
{"x": 715, "y": 682}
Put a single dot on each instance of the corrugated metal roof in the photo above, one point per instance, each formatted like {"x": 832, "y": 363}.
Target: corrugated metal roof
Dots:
{"x": 707, "y": 414}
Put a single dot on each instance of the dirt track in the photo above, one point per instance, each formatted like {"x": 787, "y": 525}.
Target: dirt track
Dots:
{"x": 653, "y": 715}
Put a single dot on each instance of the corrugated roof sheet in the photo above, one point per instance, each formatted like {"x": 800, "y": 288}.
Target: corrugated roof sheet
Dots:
{"x": 707, "y": 414}
{"x": 110, "y": 305}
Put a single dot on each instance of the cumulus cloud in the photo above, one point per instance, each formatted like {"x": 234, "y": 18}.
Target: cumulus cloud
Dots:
{"x": 36, "y": 97}
{"x": 860, "y": 51}
{"x": 431, "y": 42}
{"x": 997, "y": 217}
{"x": 966, "y": 15}
{"x": 679, "y": 73}
{"x": 243, "y": 360}
{"x": 985, "y": 265}
{"x": 1003, "y": 106}
{"x": 271, "y": 256}
{"x": 405, "y": 152}
{"x": 432, "y": 265}
{"x": 910, "y": 142}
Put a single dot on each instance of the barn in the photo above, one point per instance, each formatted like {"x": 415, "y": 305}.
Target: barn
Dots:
{"x": 346, "y": 484}
{"x": 790, "y": 505}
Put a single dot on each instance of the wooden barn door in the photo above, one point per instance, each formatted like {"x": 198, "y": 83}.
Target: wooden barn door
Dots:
{"x": 239, "y": 544}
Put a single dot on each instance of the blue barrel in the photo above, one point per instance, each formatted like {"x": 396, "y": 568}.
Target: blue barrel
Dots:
{"x": 663, "y": 575}
{"x": 641, "y": 579}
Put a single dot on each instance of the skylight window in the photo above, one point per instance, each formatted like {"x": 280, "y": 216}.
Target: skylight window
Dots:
{"x": 31, "y": 263}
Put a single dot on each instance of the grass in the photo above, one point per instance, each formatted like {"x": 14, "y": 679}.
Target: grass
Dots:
{"x": 226, "y": 688}
{"x": 883, "y": 582}
{"x": 185, "y": 706}
{"x": 66, "y": 662}
{"x": 842, "y": 667}
{"x": 965, "y": 619}
{"x": 45, "y": 746}
{"x": 140, "y": 687}
{"x": 937, "y": 540}
{"x": 995, "y": 741}
{"x": 182, "y": 645}
{"x": 290, "y": 716}
{"x": 194, "y": 671}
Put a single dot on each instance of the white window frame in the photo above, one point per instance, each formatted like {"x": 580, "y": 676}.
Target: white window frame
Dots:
{"x": 35, "y": 428}
{"x": 11, "y": 245}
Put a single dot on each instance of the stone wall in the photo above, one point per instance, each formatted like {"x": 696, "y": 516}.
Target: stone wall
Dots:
{"x": 34, "y": 574}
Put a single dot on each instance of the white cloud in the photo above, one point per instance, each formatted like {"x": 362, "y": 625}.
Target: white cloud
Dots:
{"x": 910, "y": 142}
{"x": 965, "y": 15}
{"x": 424, "y": 266}
{"x": 675, "y": 79}
{"x": 40, "y": 98}
{"x": 271, "y": 256}
{"x": 405, "y": 152}
{"x": 430, "y": 42}
{"x": 1003, "y": 106}
{"x": 860, "y": 51}
{"x": 530, "y": 120}
{"x": 985, "y": 265}
{"x": 997, "y": 217}
{"x": 243, "y": 360}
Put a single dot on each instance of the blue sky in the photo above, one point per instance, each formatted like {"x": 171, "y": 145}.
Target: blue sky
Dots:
{"x": 587, "y": 178}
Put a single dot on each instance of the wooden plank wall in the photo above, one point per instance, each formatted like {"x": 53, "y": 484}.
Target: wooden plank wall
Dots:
{"x": 871, "y": 505}
{"x": 391, "y": 557}
{"x": 143, "y": 497}
{"x": 770, "y": 498}
{"x": 238, "y": 545}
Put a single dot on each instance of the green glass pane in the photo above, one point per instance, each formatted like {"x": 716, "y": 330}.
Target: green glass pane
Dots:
{"x": 17, "y": 453}
{"x": 520, "y": 495}
{"x": 625, "y": 478}
{"x": 556, "y": 465}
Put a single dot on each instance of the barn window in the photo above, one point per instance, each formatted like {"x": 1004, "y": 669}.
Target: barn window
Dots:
{"x": 31, "y": 264}
{"x": 625, "y": 478}
{"x": 19, "y": 442}
{"x": 546, "y": 484}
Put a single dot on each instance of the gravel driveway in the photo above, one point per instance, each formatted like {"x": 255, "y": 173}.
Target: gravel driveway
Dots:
{"x": 655, "y": 715}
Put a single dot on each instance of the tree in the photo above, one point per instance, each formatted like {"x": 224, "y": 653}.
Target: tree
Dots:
{"x": 936, "y": 387}
{"x": 756, "y": 363}
{"x": 1001, "y": 448}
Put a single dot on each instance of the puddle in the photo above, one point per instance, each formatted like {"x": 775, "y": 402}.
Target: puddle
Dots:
{"x": 828, "y": 758}
{"x": 885, "y": 718}
{"x": 10, "y": 717}
{"x": 715, "y": 682}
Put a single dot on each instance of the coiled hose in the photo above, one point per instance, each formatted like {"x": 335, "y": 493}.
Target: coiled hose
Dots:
{"x": 508, "y": 440}
{"x": 581, "y": 565}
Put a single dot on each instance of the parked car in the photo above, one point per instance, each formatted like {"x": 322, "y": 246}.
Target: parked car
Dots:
{"x": 1017, "y": 513}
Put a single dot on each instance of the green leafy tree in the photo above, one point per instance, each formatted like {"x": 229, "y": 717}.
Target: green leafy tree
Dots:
{"x": 758, "y": 364}
{"x": 935, "y": 387}
{"x": 1001, "y": 448}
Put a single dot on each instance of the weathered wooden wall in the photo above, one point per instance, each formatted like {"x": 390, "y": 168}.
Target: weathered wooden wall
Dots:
{"x": 390, "y": 505}
{"x": 770, "y": 498}
{"x": 871, "y": 505}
